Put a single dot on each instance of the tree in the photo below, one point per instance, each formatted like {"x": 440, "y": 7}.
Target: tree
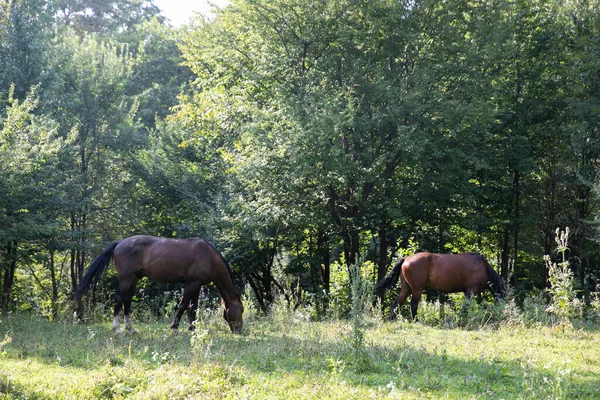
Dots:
{"x": 157, "y": 75}
{"x": 25, "y": 28}
{"x": 29, "y": 147}
{"x": 105, "y": 17}
{"x": 84, "y": 93}
{"x": 320, "y": 113}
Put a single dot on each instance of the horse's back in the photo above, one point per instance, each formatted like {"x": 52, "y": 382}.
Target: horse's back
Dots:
{"x": 134, "y": 246}
{"x": 448, "y": 272}
{"x": 164, "y": 260}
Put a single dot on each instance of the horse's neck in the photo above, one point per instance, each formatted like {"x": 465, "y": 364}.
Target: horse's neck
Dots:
{"x": 226, "y": 289}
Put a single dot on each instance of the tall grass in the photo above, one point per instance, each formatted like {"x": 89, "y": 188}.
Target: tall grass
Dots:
{"x": 288, "y": 355}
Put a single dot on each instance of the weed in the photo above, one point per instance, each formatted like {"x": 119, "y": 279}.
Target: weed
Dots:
{"x": 202, "y": 343}
{"x": 360, "y": 294}
{"x": 118, "y": 382}
{"x": 3, "y": 343}
{"x": 563, "y": 303}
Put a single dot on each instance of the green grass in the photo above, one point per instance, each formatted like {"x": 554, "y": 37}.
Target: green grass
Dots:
{"x": 286, "y": 356}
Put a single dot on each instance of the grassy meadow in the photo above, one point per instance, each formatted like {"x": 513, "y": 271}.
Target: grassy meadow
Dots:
{"x": 288, "y": 356}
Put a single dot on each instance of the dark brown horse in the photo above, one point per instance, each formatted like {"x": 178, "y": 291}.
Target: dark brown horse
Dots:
{"x": 192, "y": 262}
{"x": 469, "y": 273}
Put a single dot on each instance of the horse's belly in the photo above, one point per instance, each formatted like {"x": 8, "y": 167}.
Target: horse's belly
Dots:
{"x": 454, "y": 285}
{"x": 171, "y": 275}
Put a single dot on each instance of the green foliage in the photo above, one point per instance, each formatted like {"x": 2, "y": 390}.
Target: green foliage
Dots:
{"x": 25, "y": 30}
{"x": 157, "y": 76}
{"x": 29, "y": 148}
{"x": 108, "y": 17}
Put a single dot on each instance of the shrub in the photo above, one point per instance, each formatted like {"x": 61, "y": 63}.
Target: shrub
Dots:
{"x": 593, "y": 314}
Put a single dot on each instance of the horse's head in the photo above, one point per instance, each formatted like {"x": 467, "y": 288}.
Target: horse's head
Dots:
{"x": 233, "y": 315}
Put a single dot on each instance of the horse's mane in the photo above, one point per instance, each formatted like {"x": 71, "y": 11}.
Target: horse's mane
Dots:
{"x": 212, "y": 246}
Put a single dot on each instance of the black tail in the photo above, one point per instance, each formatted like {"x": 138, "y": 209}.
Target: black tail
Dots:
{"x": 495, "y": 281}
{"x": 389, "y": 280}
{"x": 93, "y": 273}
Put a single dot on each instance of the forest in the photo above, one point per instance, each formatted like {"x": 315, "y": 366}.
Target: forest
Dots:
{"x": 300, "y": 137}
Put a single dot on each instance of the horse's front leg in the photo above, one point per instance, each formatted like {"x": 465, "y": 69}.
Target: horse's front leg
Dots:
{"x": 127, "y": 299}
{"x": 464, "y": 310}
{"x": 180, "y": 310}
{"x": 189, "y": 302}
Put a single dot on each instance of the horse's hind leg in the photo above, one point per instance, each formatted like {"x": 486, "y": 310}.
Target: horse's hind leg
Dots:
{"x": 405, "y": 291}
{"x": 127, "y": 308}
{"x": 180, "y": 310}
{"x": 414, "y": 303}
{"x": 123, "y": 300}
{"x": 118, "y": 306}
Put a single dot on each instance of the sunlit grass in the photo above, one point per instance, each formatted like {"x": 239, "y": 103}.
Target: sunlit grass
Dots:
{"x": 288, "y": 356}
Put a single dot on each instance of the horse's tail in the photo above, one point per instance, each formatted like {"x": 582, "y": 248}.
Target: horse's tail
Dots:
{"x": 389, "y": 280}
{"x": 495, "y": 281}
{"x": 93, "y": 273}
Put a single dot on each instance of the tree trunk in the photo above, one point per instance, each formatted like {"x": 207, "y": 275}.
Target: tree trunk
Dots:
{"x": 383, "y": 250}
{"x": 72, "y": 264}
{"x": 516, "y": 183}
{"x": 351, "y": 247}
{"x": 258, "y": 293}
{"x": 9, "y": 275}
{"x": 54, "y": 284}
{"x": 323, "y": 251}
{"x": 505, "y": 255}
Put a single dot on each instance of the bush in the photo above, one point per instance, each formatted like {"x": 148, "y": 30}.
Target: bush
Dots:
{"x": 593, "y": 314}
{"x": 534, "y": 310}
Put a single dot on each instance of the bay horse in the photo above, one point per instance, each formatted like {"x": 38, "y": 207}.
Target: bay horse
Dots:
{"x": 193, "y": 262}
{"x": 469, "y": 273}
